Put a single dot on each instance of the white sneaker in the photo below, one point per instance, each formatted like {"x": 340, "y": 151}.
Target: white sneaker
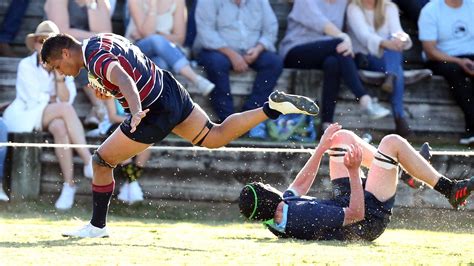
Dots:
{"x": 88, "y": 231}
{"x": 123, "y": 195}
{"x": 3, "y": 195}
{"x": 292, "y": 104}
{"x": 204, "y": 86}
{"x": 135, "y": 193}
{"x": 66, "y": 199}
{"x": 88, "y": 171}
{"x": 376, "y": 111}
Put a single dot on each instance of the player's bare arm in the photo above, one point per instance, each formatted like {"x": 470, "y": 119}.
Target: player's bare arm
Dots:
{"x": 356, "y": 211}
{"x": 117, "y": 75}
{"x": 305, "y": 178}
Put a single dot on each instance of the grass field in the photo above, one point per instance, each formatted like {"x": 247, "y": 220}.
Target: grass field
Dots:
{"x": 214, "y": 234}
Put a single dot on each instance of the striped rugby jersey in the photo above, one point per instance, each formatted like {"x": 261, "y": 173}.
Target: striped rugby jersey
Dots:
{"x": 102, "y": 49}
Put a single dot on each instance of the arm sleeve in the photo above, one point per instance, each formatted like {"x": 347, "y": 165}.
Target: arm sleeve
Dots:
{"x": 206, "y": 25}
{"x": 27, "y": 87}
{"x": 393, "y": 20}
{"x": 307, "y": 13}
{"x": 100, "y": 62}
{"x": 362, "y": 30}
{"x": 270, "y": 27}
{"x": 427, "y": 25}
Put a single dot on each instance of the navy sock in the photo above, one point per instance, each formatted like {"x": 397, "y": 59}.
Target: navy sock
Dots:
{"x": 444, "y": 186}
{"x": 271, "y": 113}
{"x": 101, "y": 196}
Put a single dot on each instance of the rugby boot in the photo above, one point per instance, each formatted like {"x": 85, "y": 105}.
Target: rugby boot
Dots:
{"x": 88, "y": 231}
{"x": 460, "y": 192}
{"x": 292, "y": 104}
{"x": 425, "y": 152}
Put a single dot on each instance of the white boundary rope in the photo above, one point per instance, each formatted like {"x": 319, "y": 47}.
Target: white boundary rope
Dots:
{"x": 223, "y": 149}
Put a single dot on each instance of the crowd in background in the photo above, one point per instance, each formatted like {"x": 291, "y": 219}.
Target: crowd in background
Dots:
{"x": 339, "y": 37}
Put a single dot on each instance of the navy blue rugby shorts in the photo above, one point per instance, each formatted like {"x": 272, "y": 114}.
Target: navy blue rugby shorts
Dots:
{"x": 377, "y": 213}
{"x": 172, "y": 107}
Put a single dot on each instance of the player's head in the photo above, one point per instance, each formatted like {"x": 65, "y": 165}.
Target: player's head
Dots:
{"x": 63, "y": 53}
{"x": 259, "y": 201}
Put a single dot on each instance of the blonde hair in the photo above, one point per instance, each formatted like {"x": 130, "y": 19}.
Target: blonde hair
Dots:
{"x": 379, "y": 10}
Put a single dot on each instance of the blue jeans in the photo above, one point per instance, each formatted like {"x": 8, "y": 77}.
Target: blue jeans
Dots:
{"x": 323, "y": 55}
{"x": 12, "y": 20}
{"x": 391, "y": 63}
{"x": 217, "y": 65}
{"x": 191, "y": 30}
{"x": 3, "y": 150}
{"x": 162, "y": 52}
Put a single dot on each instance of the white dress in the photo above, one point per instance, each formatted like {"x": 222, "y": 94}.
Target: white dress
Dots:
{"x": 34, "y": 87}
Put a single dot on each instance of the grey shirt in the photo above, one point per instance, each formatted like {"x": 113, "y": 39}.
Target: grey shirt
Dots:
{"x": 307, "y": 20}
{"x": 222, "y": 23}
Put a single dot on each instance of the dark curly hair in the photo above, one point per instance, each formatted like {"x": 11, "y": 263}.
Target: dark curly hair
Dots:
{"x": 54, "y": 44}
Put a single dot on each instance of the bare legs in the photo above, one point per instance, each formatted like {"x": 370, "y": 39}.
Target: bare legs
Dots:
{"x": 382, "y": 182}
{"x": 62, "y": 121}
{"x": 233, "y": 127}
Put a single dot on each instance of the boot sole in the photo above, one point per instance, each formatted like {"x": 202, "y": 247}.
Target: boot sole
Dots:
{"x": 288, "y": 101}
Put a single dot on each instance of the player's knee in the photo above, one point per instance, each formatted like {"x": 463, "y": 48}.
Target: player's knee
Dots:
{"x": 392, "y": 140}
{"x": 99, "y": 161}
{"x": 344, "y": 136}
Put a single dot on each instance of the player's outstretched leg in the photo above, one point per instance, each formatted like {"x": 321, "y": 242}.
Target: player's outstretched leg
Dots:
{"x": 198, "y": 129}
{"x": 425, "y": 152}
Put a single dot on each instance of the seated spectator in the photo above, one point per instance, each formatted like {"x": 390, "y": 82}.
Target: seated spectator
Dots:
{"x": 378, "y": 42}
{"x": 10, "y": 25}
{"x": 238, "y": 35}
{"x": 411, "y": 8}
{"x": 3, "y": 154}
{"x": 446, "y": 30}
{"x": 130, "y": 192}
{"x": 314, "y": 40}
{"x": 159, "y": 28}
{"x": 44, "y": 101}
{"x": 82, "y": 19}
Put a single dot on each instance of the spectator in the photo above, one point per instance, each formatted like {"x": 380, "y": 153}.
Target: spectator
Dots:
{"x": 130, "y": 192}
{"x": 235, "y": 35}
{"x": 10, "y": 25}
{"x": 3, "y": 154}
{"x": 82, "y": 19}
{"x": 378, "y": 42}
{"x": 314, "y": 40}
{"x": 446, "y": 30}
{"x": 159, "y": 29}
{"x": 411, "y": 8}
{"x": 44, "y": 100}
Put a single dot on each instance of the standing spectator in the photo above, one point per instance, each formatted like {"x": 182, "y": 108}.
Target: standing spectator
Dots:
{"x": 10, "y": 25}
{"x": 3, "y": 154}
{"x": 447, "y": 33}
{"x": 44, "y": 101}
{"x": 238, "y": 35}
{"x": 159, "y": 28}
{"x": 82, "y": 19}
{"x": 378, "y": 42}
{"x": 314, "y": 40}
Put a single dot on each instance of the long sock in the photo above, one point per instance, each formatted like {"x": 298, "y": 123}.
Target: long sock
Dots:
{"x": 101, "y": 196}
{"x": 271, "y": 113}
{"x": 444, "y": 186}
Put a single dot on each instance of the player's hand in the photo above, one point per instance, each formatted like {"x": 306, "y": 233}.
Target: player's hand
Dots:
{"x": 136, "y": 119}
{"x": 353, "y": 158}
{"x": 326, "y": 139}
